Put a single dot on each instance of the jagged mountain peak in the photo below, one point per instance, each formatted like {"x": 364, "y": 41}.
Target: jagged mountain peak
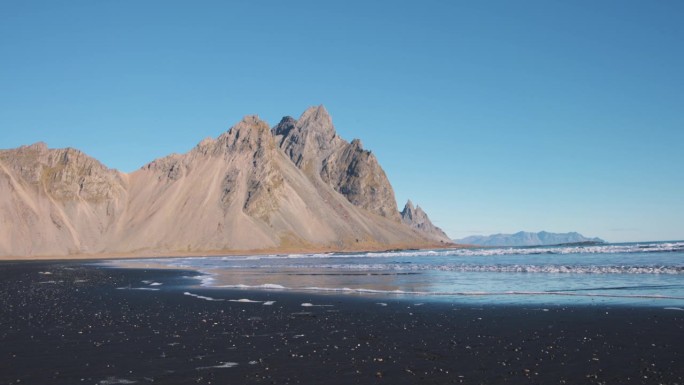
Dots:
{"x": 317, "y": 133}
{"x": 41, "y": 151}
{"x": 283, "y": 128}
{"x": 313, "y": 145}
{"x": 248, "y": 124}
{"x": 416, "y": 218}
{"x": 316, "y": 118}
{"x": 64, "y": 171}
{"x": 408, "y": 207}
{"x": 356, "y": 143}
{"x": 250, "y": 133}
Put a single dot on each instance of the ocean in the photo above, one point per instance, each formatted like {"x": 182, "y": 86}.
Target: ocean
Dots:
{"x": 633, "y": 274}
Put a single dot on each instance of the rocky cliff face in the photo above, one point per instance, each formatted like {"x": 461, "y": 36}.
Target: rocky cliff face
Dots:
{"x": 56, "y": 201}
{"x": 416, "y": 218}
{"x": 313, "y": 145}
{"x": 295, "y": 187}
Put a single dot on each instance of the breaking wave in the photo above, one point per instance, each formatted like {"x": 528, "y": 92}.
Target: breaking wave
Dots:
{"x": 632, "y": 248}
{"x": 656, "y": 247}
{"x": 464, "y": 268}
{"x": 484, "y": 252}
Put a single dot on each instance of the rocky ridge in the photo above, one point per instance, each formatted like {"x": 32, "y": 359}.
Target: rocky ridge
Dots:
{"x": 297, "y": 186}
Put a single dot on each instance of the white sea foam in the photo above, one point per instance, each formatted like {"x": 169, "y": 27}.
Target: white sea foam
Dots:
{"x": 441, "y": 262}
{"x": 598, "y": 249}
{"x": 269, "y": 286}
{"x": 489, "y": 268}
{"x": 244, "y": 300}
{"x": 201, "y": 297}
{"x": 307, "y": 304}
{"x": 269, "y": 303}
{"x": 222, "y": 365}
{"x": 115, "y": 381}
{"x": 137, "y": 288}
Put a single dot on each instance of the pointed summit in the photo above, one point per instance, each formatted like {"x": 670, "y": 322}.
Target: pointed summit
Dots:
{"x": 316, "y": 128}
{"x": 309, "y": 139}
{"x": 316, "y": 118}
{"x": 250, "y": 123}
{"x": 416, "y": 218}
{"x": 408, "y": 212}
{"x": 313, "y": 145}
{"x": 250, "y": 133}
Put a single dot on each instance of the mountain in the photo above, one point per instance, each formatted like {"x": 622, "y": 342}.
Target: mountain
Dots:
{"x": 56, "y": 202}
{"x": 295, "y": 187}
{"x": 416, "y": 218}
{"x": 523, "y": 238}
{"x": 313, "y": 145}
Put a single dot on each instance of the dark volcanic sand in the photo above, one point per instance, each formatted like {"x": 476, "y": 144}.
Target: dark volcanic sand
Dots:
{"x": 73, "y": 326}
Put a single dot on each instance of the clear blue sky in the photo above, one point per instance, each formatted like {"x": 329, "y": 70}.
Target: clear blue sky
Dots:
{"x": 494, "y": 116}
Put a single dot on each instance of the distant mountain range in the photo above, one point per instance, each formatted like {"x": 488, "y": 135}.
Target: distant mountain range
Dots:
{"x": 524, "y": 238}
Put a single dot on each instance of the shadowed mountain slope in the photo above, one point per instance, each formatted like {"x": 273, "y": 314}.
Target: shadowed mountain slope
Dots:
{"x": 313, "y": 145}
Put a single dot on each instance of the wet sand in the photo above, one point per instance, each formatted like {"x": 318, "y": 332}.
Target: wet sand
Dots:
{"x": 70, "y": 323}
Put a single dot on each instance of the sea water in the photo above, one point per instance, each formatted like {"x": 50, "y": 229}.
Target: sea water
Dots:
{"x": 639, "y": 274}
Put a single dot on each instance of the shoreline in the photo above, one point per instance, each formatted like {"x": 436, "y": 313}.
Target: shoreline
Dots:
{"x": 150, "y": 254}
{"x": 100, "y": 325}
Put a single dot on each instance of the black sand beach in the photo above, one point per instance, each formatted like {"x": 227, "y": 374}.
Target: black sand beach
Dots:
{"x": 67, "y": 323}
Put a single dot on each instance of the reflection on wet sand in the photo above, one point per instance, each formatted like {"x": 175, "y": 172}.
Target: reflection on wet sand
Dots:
{"x": 307, "y": 279}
